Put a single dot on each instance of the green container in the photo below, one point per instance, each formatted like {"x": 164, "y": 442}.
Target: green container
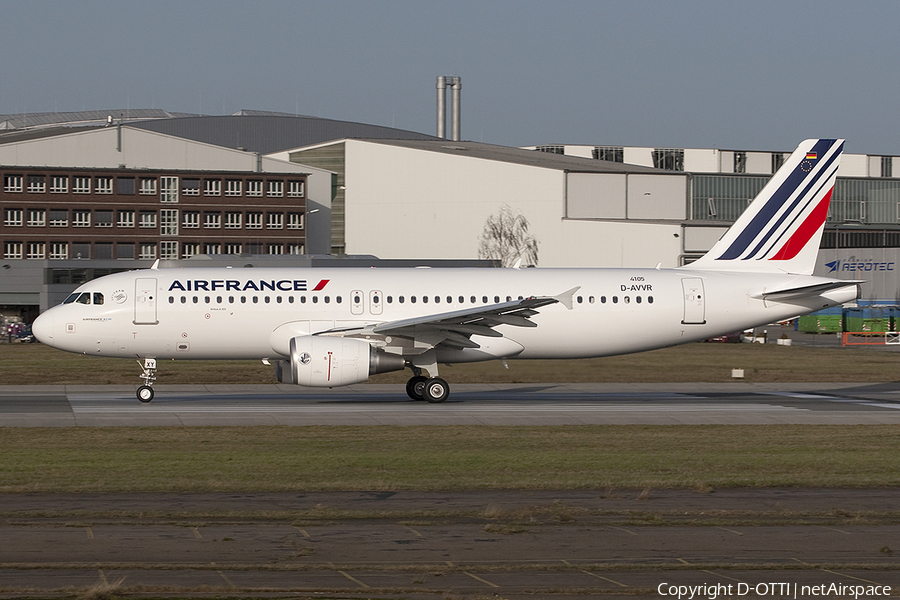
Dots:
{"x": 820, "y": 323}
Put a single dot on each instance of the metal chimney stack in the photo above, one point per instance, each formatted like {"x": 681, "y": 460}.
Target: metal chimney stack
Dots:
{"x": 455, "y": 84}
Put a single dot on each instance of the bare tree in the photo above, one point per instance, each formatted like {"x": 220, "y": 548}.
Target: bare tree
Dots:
{"x": 505, "y": 238}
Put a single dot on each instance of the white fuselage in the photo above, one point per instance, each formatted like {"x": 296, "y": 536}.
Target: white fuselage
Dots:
{"x": 254, "y": 313}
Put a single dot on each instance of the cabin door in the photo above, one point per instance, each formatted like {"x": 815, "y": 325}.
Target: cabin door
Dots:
{"x": 694, "y": 301}
{"x": 145, "y": 301}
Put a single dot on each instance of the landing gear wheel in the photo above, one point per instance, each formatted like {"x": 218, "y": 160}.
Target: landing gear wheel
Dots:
{"x": 415, "y": 387}
{"x": 436, "y": 390}
{"x": 145, "y": 393}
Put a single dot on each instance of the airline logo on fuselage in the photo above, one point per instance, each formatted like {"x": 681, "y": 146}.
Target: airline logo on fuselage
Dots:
{"x": 237, "y": 285}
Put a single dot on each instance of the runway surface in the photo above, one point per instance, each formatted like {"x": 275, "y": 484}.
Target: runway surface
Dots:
{"x": 472, "y": 404}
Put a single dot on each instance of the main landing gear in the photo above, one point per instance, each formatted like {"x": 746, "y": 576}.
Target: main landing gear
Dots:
{"x": 434, "y": 389}
{"x": 145, "y": 392}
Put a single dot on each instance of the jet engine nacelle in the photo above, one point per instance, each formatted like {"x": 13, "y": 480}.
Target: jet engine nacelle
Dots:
{"x": 321, "y": 361}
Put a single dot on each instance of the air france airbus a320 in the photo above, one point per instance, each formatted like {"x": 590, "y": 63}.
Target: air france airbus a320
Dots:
{"x": 333, "y": 327}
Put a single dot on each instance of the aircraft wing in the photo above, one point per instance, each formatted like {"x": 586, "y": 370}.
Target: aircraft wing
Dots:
{"x": 455, "y": 328}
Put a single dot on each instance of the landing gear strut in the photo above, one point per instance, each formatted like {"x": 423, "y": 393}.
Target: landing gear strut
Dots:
{"x": 145, "y": 392}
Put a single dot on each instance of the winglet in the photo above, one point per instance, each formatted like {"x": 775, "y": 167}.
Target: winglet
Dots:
{"x": 566, "y": 297}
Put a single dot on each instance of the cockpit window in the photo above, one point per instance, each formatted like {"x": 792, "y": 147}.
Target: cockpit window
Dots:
{"x": 84, "y": 298}
{"x": 71, "y": 298}
{"x": 98, "y": 298}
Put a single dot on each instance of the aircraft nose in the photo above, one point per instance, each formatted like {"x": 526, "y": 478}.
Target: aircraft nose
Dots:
{"x": 42, "y": 328}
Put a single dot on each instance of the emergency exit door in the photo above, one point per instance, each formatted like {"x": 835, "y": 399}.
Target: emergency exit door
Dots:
{"x": 145, "y": 301}
{"x": 694, "y": 301}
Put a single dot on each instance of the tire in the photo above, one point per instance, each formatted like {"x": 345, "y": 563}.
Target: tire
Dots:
{"x": 436, "y": 390}
{"x": 145, "y": 393}
{"x": 415, "y": 387}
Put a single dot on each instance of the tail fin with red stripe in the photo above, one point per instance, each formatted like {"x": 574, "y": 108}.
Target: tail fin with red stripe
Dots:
{"x": 781, "y": 229}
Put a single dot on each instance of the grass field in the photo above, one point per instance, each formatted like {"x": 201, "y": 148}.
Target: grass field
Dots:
{"x": 24, "y": 364}
{"x": 445, "y": 458}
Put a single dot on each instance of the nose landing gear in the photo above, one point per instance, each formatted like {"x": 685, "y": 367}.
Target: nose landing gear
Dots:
{"x": 145, "y": 392}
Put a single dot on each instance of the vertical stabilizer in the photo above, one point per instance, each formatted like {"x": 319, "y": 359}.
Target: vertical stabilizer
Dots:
{"x": 781, "y": 229}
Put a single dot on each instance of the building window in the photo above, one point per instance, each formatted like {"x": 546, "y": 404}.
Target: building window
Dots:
{"x": 740, "y": 162}
{"x": 103, "y": 185}
{"x": 233, "y": 187}
{"x": 126, "y": 218}
{"x": 274, "y": 249}
{"x": 189, "y": 249}
{"x": 124, "y": 250}
{"x": 254, "y": 187}
{"x": 12, "y": 217}
{"x": 212, "y": 187}
{"x": 190, "y": 187}
{"x": 213, "y": 249}
{"x": 59, "y": 184}
{"x": 59, "y": 251}
{"x": 887, "y": 166}
{"x": 609, "y": 153}
{"x": 147, "y": 251}
{"x": 148, "y": 219}
{"x": 103, "y": 250}
{"x": 233, "y": 220}
{"x": 168, "y": 189}
{"x": 295, "y": 249}
{"x": 552, "y": 149}
{"x": 670, "y": 159}
{"x": 777, "y": 161}
{"x": 191, "y": 220}
{"x": 168, "y": 250}
{"x": 103, "y": 218}
{"x": 125, "y": 186}
{"x": 12, "y": 250}
{"x": 81, "y": 185}
{"x": 36, "y": 250}
{"x": 232, "y": 248}
{"x": 59, "y": 218}
{"x": 12, "y": 183}
{"x": 276, "y": 189}
{"x": 254, "y": 220}
{"x": 37, "y": 217}
{"x": 148, "y": 188}
{"x": 81, "y": 218}
{"x": 37, "y": 184}
{"x": 275, "y": 221}
{"x": 81, "y": 250}
{"x": 295, "y": 188}
{"x": 295, "y": 220}
{"x": 212, "y": 220}
{"x": 168, "y": 222}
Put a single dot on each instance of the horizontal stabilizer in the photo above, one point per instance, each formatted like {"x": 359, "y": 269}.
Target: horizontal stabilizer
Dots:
{"x": 803, "y": 291}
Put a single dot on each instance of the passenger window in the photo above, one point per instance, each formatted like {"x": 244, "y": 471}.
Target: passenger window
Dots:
{"x": 255, "y": 299}
{"x": 400, "y": 299}
{"x": 461, "y": 299}
{"x": 171, "y": 299}
{"x": 278, "y": 299}
{"x": 412, "y": 299}
{"x": 425, "y": 299}
{"x": 327, "y": 299}
{"x": 196, "y": 299}
{"x": 390, "y": 299}
{"x": 315, "y": 299}
{"x": 243, "y": 299}
{"x": 602, "y": 299}
{"x": 579, "y": 299}
{"x": 302, "y": 299}
{"x": 472, "y": 299}
{"x": 650, "y": 299}
{"x": 184, "y": 299}
{"x": 615, "y": 299}
{"x": 98, "y": 298}
{"x": 638, "y": 299}
{"x": 266, "y": 299}
{"x": 627, "y": 299}
{"x": 496, "y": 299}
{"x": 484, "y": 300}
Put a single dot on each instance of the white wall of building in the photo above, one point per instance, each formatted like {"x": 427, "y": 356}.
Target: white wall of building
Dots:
{"x": 407, "y": 203}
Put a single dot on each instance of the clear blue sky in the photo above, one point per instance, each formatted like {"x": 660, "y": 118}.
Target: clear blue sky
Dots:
{"x": 761, "y": 75}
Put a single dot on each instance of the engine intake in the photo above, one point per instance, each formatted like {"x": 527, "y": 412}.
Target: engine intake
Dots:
{"x": 321, "y": 361}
